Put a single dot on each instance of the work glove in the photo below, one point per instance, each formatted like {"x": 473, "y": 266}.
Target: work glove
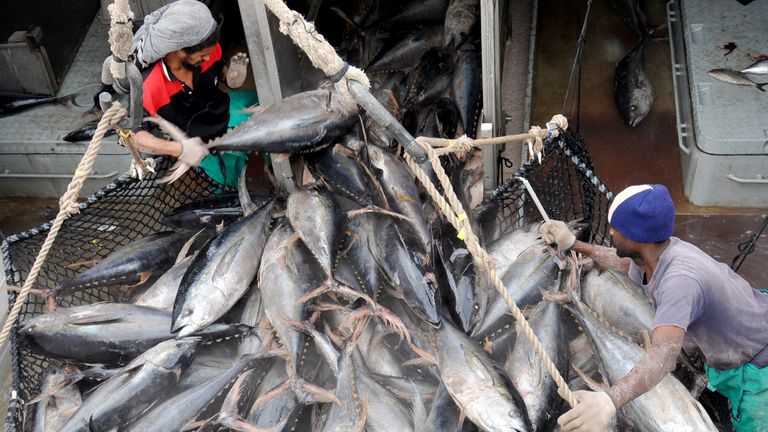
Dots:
{"x": 193, "y": 151}
{"x": 557, "y": 232}
{"x": 237, "y": 70}
{"x": 594, "y": 412}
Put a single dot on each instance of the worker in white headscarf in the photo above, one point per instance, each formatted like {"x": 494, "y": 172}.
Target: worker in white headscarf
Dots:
{"x": 178, "y": 49}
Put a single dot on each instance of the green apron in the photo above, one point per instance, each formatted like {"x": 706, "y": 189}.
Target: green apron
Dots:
{"x": 746, "y": 387}
{"x": 224, "y": 167}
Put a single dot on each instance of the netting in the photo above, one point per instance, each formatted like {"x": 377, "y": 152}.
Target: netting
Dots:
{"x": 566, "y": 185}
{"x": 129, "y": 209}
{"x": 121, "y": 212}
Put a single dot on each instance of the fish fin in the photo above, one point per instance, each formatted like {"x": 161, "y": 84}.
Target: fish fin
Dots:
{"x": 592, "y": 384}
{"x": 96, "y": 319}
{"x": 363, "y": 416}
{"x": 308, "y": 393}
{"x": 187, "y": 246}
{"x": 418, "y": 409}
{"x": 378, "y": 210}
{"x": 337, "y": 340}
{"x": 223, "y": 267}
{"x": 462, "y": 417}
{"x": 75, "y": 265}
{"x": 760, "y": 86}
{"x": 228, "y": 413}
{"x": 272, "y": 393}
{"x": 246, "y": 202}
{"x": 424, "y": 358}
{"x": 308, "y": 329}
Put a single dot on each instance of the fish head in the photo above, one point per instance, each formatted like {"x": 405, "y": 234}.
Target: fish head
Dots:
{"x": 175, "y": 352}
{"x": 640, "y": 105}
{"x": 188, "y": 321}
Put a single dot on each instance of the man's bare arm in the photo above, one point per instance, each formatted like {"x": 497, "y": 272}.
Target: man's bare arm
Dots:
{"x": 603, "y": 256}
{"x": 153, "y": 145}
{"x": 661, "y": 358}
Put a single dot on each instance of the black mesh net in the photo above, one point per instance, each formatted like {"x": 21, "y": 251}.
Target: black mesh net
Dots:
{"x": 123, "y": 211}
{"x": 564, "y": 183}
{"x": 129, "y": 209}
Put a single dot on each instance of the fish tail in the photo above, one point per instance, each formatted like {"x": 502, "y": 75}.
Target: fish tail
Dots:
{"x": 760, "y": 86}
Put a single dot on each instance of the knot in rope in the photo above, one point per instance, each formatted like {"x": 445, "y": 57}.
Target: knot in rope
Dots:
{"x": 558, "y": 123}
{"x": 461, "y": 146}
{"x": 68, "y": 203}
{"x": 538, "y": 143}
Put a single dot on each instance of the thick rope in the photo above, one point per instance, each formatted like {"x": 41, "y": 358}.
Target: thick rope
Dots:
{"x": 324, "y": 57}
{"x": 68, "y": 206}
{"x": 320, "y": 52}
{"x": 453, "y": 211}
{"x": 463, "y": 144}
{"x": 120, "y": 36}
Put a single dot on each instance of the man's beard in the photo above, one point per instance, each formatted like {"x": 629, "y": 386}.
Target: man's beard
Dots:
{"x": 189, "y": 66}
{"x": 625, "y": 253}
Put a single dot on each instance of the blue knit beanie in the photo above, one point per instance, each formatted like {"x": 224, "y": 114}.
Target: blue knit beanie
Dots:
{"x": 643, "y": 213}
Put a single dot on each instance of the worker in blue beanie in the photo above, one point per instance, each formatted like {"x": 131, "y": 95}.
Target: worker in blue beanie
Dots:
{"x": 701, "y": 305}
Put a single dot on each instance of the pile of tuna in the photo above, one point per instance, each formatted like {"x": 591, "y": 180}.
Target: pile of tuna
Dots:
{"x": 348, "y": 305}
{"x": 422, "y": 57}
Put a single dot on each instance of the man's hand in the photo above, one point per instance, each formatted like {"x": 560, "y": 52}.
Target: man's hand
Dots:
{"x": 557, "y": 232}
{"x": 237, "y": 70}
{"x": 593, "y": 413}
{"x": 193, "y": 151}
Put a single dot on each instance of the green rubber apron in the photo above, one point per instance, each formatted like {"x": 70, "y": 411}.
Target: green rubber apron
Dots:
{"x": 224, "y": 167}
{"x": 746, "y": 387}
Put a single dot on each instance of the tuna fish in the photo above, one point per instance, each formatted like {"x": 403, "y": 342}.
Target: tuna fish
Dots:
{"x": 220, "y": 273}
{"x": 460, "y": 19}
{"x": 131, "y": 264}
{"x": 299, "y": 123}
{"x": 735, "y": 77}
{"x": 407, "y": 51}
{"x": 666, "y": 407}
{"x": 59, "y": 398}
{"x": 477, "y": 385}
{"x": 111, "y": 333}
{"x": 632, "y": 90}
{"x": 526, "y": 370}
{"x": 466, "y": 87}
{"x": 142, "y": 382}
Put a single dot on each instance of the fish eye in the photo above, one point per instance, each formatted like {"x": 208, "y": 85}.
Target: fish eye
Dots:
{"x": 476, "y": 306}
{"x": 633, "y": 108}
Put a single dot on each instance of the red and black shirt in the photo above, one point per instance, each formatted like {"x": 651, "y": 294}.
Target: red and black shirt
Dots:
{"x": 200, "y": 112}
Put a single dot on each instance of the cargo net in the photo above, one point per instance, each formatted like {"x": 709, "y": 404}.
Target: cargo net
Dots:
{"x": 123, "y": 211}
{"x": 129, "y": 209}
{"x": 566, "y": 186}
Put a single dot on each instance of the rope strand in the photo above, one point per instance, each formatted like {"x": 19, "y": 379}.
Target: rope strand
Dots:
{"x": 68, "y": 206}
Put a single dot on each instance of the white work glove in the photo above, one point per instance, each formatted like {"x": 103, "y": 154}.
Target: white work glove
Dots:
{"x": 237, "y": 70}
{"x": 594, "y": 413}
{"x": 557, "y": 232}
{"x": 193, "y": 151}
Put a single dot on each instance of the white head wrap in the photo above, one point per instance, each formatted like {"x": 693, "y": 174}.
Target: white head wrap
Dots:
{"x": 181, "y": 24}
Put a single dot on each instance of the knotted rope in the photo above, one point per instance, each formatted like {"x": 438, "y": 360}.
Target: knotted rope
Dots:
{"x": 320, "y": 52}
{"x": 324, "y": 57}
{"x": 120, "y": 36}
{"x": 67, "y": 207}
{"x": 463, "y": 144}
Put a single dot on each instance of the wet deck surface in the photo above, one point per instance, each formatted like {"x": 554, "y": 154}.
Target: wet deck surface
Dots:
{"x": 624, "y": 156}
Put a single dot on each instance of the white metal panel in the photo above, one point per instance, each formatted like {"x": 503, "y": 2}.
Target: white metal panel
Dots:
{"x": 490, "y": 36}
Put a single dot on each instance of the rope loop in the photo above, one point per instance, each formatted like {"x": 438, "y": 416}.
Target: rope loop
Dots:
{"x": 557, "y": 124}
